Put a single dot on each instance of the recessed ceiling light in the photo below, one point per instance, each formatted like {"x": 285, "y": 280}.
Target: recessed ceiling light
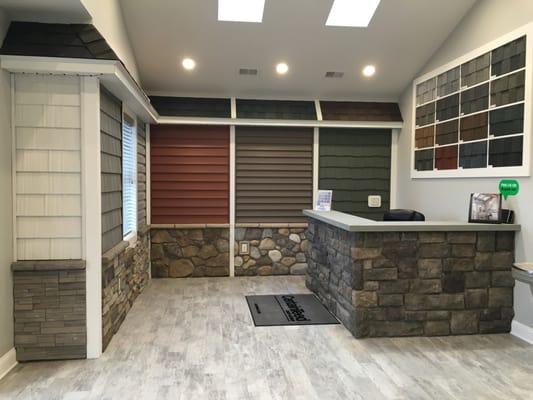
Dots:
{"x": 369, "y": 71}
{"x": 282, "y": 68}
{"x": 188, "y": 64}
{"x": 241, "y": 10}
{"x": 352, "y": 12}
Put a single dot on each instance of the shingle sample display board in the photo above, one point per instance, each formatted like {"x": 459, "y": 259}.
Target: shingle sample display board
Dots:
{"x": 289, "y": 309}
{"x": 274, "y": 174}
{"x": 189, "y": 174}
{"x": 276, "y": 109}
{"x": 356, "y": 163}
{"x": 191, "y": 107}
{"x": 471, "y": 116}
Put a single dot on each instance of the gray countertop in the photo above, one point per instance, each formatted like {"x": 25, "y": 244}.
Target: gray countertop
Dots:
{"x": 352, "y": 223}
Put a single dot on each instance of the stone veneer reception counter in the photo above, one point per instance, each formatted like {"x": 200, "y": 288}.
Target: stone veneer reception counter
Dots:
{"x": 412, "y": 278}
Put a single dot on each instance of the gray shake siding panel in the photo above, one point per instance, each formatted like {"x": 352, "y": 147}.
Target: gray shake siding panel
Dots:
{"x": 274, "y": 174}
{"x": 141, "y": 173}
{"x": 111, "y": 153}
{"x": 355, "y": 163}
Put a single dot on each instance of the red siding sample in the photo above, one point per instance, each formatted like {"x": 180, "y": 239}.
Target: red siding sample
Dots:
{"x": 446, "y": 157}
{"x": 189, "y": 174}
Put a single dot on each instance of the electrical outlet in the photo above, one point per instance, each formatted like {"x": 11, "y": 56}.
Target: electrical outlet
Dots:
{"x": 244, "y": 248}
{"x": 374, "y": 201}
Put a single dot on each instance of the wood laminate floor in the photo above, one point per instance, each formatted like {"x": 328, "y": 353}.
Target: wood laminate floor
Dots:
{"x": 194, "y": 339}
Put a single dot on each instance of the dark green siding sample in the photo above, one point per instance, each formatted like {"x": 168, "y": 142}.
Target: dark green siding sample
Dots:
{"x": 509, "y": 57}
{"x": 506, "y": 152}
{"x": 508, "y": 89}
{"x": 276, "y": 109}
{"x": 508, "y": 120}
{"x": 448, "y": 108}
{"x": 425, "y": 114}
{"x": 473, "y": 155}
{"x": 475, "y": 71}
{"x": 424, "y": 160}
{"x": 355, "y": 163}
{"x": 475, "y": 99}
{"x": 192, "y": 107}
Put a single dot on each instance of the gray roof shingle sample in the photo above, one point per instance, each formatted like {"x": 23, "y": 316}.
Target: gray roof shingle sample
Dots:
{"x": 508, "y": 89}
{"x": 448, "y": 82}
{"x": 507, "y": 121}
{"x": 473, "y": 155}
{"x": 56, "y": 40}
{"x": 447, "y": 132}
{"x": 506, "y": 152}
{"x": 425, "y": 114}
{"x": 447, "y": 108}
{"x": 424, "y": 160}
{"x": 276, "y": 109}
{"x": 475, "y": 71}
{"x": 475, "y": 99}
{"x": 191, "y": 107}
{"x": 360, "y": 111}
{"x": 426, "y": 91}
{"x": 509, "y": 57}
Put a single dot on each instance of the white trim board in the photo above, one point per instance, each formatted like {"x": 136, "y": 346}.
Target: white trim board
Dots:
{"x": 522, "y": 331}
{"x": 7, "y": 362}
{"x": 494, "y": 172}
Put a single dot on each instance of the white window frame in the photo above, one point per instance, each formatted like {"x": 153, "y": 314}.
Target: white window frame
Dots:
{"x": 520, "y": 171}
{"x": 131, "y": 236}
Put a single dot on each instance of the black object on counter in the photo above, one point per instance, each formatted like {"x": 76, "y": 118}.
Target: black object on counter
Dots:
{"x": 403, "y": 215}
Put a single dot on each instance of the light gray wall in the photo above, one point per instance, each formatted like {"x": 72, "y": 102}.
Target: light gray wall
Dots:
{"x": 6, "y": 222}
{"x": 448, "y": 198}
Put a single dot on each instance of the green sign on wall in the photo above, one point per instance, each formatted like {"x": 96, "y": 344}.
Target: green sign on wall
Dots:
{"x": 509, "y": 187}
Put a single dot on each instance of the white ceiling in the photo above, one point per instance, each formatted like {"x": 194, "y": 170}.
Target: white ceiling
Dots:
{"x": 61, "y": 11}
{"x": 400, "y": 39}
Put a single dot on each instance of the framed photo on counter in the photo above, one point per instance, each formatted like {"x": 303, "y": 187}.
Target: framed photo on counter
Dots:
{"x": 485, "y": 208}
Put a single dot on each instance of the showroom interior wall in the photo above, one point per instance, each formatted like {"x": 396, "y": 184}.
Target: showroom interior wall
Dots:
{"x": 6, "y": 225}
{"x": 447, "y": 199}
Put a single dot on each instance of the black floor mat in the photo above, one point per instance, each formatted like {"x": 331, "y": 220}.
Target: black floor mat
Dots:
{"x": 289, "y": 309}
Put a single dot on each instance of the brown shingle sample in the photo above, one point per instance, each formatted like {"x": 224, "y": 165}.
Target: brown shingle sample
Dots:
{"x": 424, "y": 137}
{"x": 274, "y": 174}
{"x": 447, "y": 132}
{"x": 189, "y": 174}
{"x": 474, "y": 127}
{"x": 507, "y": 89}
{"x": 359, "y": 111}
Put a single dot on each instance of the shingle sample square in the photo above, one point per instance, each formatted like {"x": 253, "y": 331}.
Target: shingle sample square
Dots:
{"x": 191, "y": 106}
{"x": 474, "y": 127}
{"x": 475, "y": 99}
{"x": 508, "y": 120}
{"x": 426, "y": 91}
{"x": 447, "y": 132}
{"x": 448, "y": 108}
{"x": 425, "y": 115}
{"x": 424, "y": 137}
{"x": 473, "y": 155}
{"x": 424, "y": 160}
{"x": 446, "y": 157}
{"x": 448, "y": 82}
{"x": 508, "y": 89}
{"x": 509, "y": 57}
{"x": 475, "y": 71}
{"x": 506, "y": 152}
{"x": 276, "y": 109}
{"x": 360, "y": 111}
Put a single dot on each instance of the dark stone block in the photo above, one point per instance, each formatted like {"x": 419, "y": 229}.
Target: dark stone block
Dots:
{"x": 501, "y": 326}
{"x": 502, "y": 279}
{"x": 502, "y": 260}
{"x": 477, "y": 279}
{"x": 505, "y": 241}
{"x": 398, "y": 250}
{"x": 463, "y": 250}
{"x": 431, "y": 237}
{"x": 486, "y": 241}
{"x": 390, "y": 300}
{"x": 415, "y": 315}
{"x": 434, "y": 250}
{"x": 453, "y": 282}
{"x": 436, "y": 328}
{"x": 441, "y": 301}
{"x": 407, "y": 268}
{"x": 501, "y": 297}
{"x": 426, "y": 286}
{"x": 396, "y": 286}
{"x": 483, "y": 261}
{"x": 464, "y": 322}
{"x": 381, "y": 274}
{"x": 490, "y": 314}
{"x": 253, "y": 234}
{"x": 476, "y": 298}
{"x": 438, "y": 315}
{"x": 458, "y": 264}
{"x": 462, "y": 237}
{"x": 430, "y": 268}
{"x": 395, "y": 328}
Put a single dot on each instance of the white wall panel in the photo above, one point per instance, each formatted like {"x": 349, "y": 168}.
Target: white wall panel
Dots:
{"x": 48, "y": 160}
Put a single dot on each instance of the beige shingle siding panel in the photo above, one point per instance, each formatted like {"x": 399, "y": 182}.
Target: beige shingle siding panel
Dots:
{"x": 274, "y": 174}
{"x": 111, "y": 153}
{"x": 48, "y": 167}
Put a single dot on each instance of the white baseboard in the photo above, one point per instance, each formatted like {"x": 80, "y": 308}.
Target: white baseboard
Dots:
{"x": 8, "y": 362}
{"x": 522, "y": 331}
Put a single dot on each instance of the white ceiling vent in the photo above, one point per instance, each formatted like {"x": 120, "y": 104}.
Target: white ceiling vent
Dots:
{"x": 247, "y": 71}
{"x": 334, "y": 74}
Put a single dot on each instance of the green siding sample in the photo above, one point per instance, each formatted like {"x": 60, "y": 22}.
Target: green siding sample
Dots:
{"x": 355, "y": 163}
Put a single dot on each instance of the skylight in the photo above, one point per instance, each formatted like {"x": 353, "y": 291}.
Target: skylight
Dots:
{"x": 241, "y": 10}
{"x": 357, "y": 13}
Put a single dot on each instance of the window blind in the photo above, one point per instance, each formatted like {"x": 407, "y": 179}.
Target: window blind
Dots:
{"x": 129, "y": 187}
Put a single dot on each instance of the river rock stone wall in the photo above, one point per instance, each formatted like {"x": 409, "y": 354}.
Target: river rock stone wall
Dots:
{"x": 413, "y": 283}
{"x": 125, "y": 274}
{"x": 197, "y": 252}
{"x": 271, "y": 251}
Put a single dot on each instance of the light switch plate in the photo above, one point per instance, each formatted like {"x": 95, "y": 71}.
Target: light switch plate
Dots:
{"x": 374, "y": 201}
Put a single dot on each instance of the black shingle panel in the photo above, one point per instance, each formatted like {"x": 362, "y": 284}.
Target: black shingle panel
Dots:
{"x": 448, "y": 108}
{"x": 447, "y": 132}
{"x": 509, "y": 57}
{"x": 276, "y": 109}
{"x": 507, "y": 121}
{"x": 425, "y": 114}
{"x": 191, "y": 107}
{"x": 506, "y": 152}
{"x": 360, "y": 111}
{"x": 475, "y": 99}
{"x": 424, "y": 160}
{"x": 473, "y": 155}
{"x": 508, "y": 89}
{"x": 56, "y": 40}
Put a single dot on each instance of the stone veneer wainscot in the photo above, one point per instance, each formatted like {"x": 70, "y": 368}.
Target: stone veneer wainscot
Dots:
{"x": 413, "y": 283}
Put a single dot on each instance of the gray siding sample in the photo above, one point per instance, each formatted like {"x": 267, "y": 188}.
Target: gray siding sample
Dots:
{"x": 276, "y": 109}
{"x": 192, "y": 106}
{"x": 475, "y": 71}
{"x": 475, "y": 99}
{"x": 448, "y": 82}
{"x": 426, "y": 91}
{"x": 274, "y": 174}
{"x": 425, "y": 114}
{"x": 447, "y": 132}
{"x": 141, "y": 174}
{"x": 424, "y": 160}
{"x": 355, "y": 163}
{"x": 448, "y": 108}
{"x": 473, "y": 155}
{"x": 111, "y": 153}
{"x": 508, "y": 89}
{"x": 509, "y": 57}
